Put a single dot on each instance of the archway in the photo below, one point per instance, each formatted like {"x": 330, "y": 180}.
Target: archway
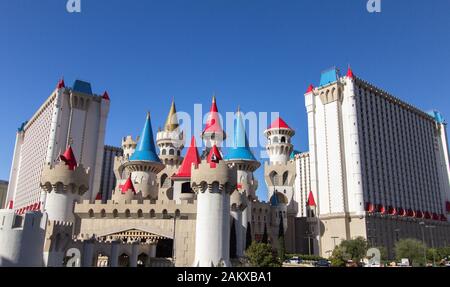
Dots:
{"x": 142, "y": 260}
{"x": 124, "y": 260}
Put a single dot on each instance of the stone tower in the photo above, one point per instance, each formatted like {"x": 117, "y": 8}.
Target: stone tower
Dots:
{"x": 279, "y": 174}
{"x": 143, "y": 166}
{"x": 213, "y": 180}
{"x": 241, "y": 157}
{"x": 63, "y": 183}
{"x": 170, "y": 141}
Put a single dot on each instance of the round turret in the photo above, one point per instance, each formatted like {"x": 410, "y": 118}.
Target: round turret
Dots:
{"x": 213, "y": 181}
{"x": 279, "y": 145}
{"x": 144, "y": 164}
{"x": 64, "y": 183}
{"x": 170, "y": 140}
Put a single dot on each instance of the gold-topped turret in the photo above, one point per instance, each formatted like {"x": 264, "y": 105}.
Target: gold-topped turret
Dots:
{"x": 172, "y": 119}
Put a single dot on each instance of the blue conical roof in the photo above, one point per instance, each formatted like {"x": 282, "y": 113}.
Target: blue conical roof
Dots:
{"x": 145, "y": 149}
{"x": 241, "y": 149}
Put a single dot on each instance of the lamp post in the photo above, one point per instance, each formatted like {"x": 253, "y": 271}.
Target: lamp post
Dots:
{"x": 431, "y": 227}
{"x": 423, "y": 242}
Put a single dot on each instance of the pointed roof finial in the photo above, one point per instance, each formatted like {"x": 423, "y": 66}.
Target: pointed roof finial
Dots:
{"x": 213, "y": 124}
{"x": 279, "y": 123}
{"x": 145, "y": 150}
{"x": 214, "y": 155}
{"x": 350, "y": 72}
{"x": 241, "y": 148}
{"x": 61, "y": 84}
{"x": 172, "y": 119}
{"x": 69, "y": 158}
{"x": 311, "y": 201}
{"x": 128, "y": 185}
{"x": 105, "y": 96}
{"x": 214, "y": 97}
{"x": 192, "y": 157}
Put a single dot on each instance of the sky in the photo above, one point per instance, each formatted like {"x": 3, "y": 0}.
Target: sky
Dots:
{"x": 258, "y": 54}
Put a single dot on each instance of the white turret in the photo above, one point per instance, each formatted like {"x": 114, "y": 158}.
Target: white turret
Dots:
{"x": 143, "y": 165}
{"x": 170, "y": 140}
{"x": 279, "y": 145}
{"x": 243, "y": 159}
{"x": 63, "y": 184}
{"x": 213, "y": 181}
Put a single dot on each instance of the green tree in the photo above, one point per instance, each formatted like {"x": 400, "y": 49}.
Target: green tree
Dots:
{"x": 261, "y": 255}
{"x": 443, "y": 253}
{"x": 432, "y": 255}
{"x": 339, "y": 257}
{"x": 352, "y": 249}
{"x": 355, "y": 248}
{"x": 412, "y": 249}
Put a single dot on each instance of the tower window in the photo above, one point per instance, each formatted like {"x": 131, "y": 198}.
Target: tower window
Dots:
{"x": 283, "y": 139}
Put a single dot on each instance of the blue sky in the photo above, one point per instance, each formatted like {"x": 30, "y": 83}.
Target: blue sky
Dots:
{"x": 259, "y": 54}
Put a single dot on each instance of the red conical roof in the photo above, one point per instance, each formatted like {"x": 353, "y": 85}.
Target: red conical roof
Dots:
{"x": 127, "y": 186}
{"x": 105, "y": 96}
{"x": 350, "y": 72}
{"x": 213, "y": 121}
{"x": 214, "y": 156}
{"x": 192, "y": 157}
{"x": 279, "y": 124}
{"x": 69, "y": 158}
{"x": 310, "y": 89}
{"x": 60, "y": 84}
{"x": 311, "y": 201}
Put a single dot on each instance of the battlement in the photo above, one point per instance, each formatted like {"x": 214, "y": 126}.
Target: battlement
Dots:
{"x": 176, "y": 137}
{"x": 206, "y": 175}
{"x": 136, "y": 209}
{"x": 31, "y": 220}
{"x": 128, "y": 142}
{"x": 60, "y": 178}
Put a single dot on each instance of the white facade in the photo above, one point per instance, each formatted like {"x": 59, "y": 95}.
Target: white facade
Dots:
{"x": 370, "y": 152}
{"x": 302, "y": 185}
{"x": 67, "y": 116}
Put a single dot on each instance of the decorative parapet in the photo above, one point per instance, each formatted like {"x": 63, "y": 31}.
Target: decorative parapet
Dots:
{"x": 206, "y": 175}
{"x": 157, "y": 209}
{"x": 141, "y": 165}
{"x": 59, "y": 178}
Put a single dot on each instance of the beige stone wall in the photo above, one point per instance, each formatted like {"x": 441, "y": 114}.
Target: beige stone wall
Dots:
{"x": 337, "y": 227}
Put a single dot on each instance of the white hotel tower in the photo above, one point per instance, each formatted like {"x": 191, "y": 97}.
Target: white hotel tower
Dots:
{"x": 378, "y": 166}
{"x": 70, "y": 116}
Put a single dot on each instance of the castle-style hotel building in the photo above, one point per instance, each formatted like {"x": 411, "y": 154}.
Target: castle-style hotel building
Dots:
{"x": 376, "y": 167}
